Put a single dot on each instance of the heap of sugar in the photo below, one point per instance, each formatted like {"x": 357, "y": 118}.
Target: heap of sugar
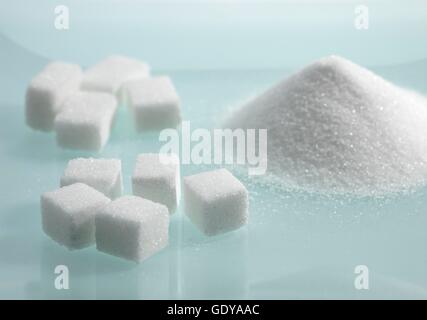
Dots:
{"x": 335, "y": 127}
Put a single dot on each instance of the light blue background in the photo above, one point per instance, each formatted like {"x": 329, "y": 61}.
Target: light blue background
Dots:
{"x": 218, "y": 54}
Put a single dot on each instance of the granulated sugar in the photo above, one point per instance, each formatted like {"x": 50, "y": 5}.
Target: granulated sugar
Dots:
{"x": 335, "y": 127}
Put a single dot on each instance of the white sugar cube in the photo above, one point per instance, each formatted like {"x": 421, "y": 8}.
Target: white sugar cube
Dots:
{"x": 215, "y": 201}
{"x": 132, "y": 228}
{"x": 109, "y": 74}
{"x": 86, "y": 120}
{"x": 157, "y": 177}
{"x": 68, "y": 214}
{"x": 154, "y": 103}
{"x": 105, "y": 175}
{"x": 47, "y": 91}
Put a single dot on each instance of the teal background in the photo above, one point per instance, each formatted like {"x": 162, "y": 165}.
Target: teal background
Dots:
{"x": 218, "y": 54}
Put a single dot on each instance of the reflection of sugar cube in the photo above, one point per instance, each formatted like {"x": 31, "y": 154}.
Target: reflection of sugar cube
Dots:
{"x": 105, "y": 175}
{"x": 47, "y": 91}
{"x": 154, "y": 102}
{"x": 215, "y": 201}
{"x": 86, "y": 120}
{"x": 68, "y": 214}
{"x": 132, "y": 228}
{"x": 156, "y": 177}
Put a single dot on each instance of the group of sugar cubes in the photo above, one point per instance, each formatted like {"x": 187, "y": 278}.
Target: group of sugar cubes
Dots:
{"x": 81, "y": 106}
{"x": 89, "y": 207}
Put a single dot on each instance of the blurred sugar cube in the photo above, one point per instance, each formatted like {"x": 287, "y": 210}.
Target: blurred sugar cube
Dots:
{"x": 154, "y": 102}
{"x": 85, "y": 121}
{"x": 47, "y": 92}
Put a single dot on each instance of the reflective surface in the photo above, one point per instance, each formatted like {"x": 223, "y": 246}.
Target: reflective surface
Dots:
{"x": 295, "y": 245}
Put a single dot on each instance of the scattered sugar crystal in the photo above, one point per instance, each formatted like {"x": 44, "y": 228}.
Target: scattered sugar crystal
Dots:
{"x": 68, "y": 214}
{"x": 154, "y": 103}
{"x": 157, "y": 177}
{"x": 215, "y": 201}
{"x": 335, "y": 127}
{"x": 109, "y": 74}
{"x": 86, "y": 120}
{"x": 133, "y": 228}
{"x": 105, "y": 175}
{"x": 47, "y": 91}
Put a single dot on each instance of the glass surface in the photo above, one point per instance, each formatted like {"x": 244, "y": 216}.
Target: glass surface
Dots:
{"x": 295, "y": 245}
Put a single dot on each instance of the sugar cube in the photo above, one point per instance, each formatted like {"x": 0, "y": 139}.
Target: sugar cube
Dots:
{"x": 105, "y": 175}
{"x": 154, "y": 103}
{"x": 47, "y": 91}
{"x": 132, "y": 228}
{"x": 86, "y": 120}
{"x": 215, "y": 201}
{"x": 68, "y": 214}
{"x": 157, "y": 177}
{"x": 109, "y": 74}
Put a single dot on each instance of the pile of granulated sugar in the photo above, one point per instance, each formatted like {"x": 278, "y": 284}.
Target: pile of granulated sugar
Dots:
{"x": 335, "y": 127}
